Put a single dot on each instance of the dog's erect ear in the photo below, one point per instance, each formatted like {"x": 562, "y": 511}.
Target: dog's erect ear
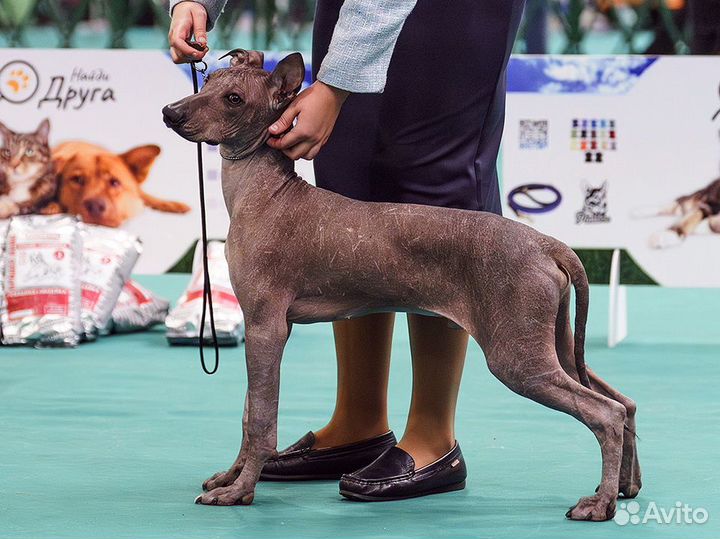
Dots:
{"x": 43, "y": 130}
{"x": 247, "y": 58}
{"x": 140, "y": 159}
{"x": 287, "y": 78}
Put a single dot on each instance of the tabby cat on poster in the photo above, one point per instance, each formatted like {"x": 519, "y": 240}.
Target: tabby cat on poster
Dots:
{"x": 27, "y": 178}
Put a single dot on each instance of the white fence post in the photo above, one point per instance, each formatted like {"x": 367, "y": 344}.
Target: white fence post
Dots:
{"x": 617, "y": 311}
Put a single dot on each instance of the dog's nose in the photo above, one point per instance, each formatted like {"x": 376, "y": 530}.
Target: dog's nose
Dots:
{"x": 95, "y": 207}
{"x": 172, "y": 115}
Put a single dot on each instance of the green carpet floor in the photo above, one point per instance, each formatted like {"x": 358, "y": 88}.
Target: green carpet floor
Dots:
{"x": 113, "y": 439}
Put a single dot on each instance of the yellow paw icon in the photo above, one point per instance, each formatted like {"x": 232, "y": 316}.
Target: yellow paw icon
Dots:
{"x": 18, "y": 80}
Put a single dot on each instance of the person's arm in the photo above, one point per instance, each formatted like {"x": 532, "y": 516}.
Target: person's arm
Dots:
{"x": 362, "y": 44}
{"x": 190, "y": 18}
{"x": 357, "y": 61}
{"x": 213, "y": 8}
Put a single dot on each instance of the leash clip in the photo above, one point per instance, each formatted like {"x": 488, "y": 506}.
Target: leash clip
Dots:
{"x": 201, "y": 67}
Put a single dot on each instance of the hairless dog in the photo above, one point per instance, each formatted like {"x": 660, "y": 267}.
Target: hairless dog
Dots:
{"x": 299, "y": 254}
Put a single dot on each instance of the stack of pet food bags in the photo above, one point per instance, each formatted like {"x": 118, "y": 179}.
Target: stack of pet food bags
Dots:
{"x": 63, "y": 282}
{"x": 183, "y": 322}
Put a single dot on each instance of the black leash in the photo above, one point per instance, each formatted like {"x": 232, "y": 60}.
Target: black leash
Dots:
{"x": 207, "y": 289}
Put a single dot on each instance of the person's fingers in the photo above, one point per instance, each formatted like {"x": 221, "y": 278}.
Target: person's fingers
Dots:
{"x": 199, "y": 19}
{"x": 180, "y": 51}
{"x": 298, "y": 151}
{"x": 292, "y": 138}
{"x": 312, "y": 153}
{"x": 183, "y": 51}
{"x": 285, "y": 121}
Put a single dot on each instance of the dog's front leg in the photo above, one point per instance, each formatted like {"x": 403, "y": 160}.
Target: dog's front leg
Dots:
{"x": 264, "y": 344}
{"x": 223, "y": 479}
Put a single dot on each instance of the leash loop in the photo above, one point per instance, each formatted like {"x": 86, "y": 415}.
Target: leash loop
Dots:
{"x": 541, "y": 207}
{"x": 207, "y": 288}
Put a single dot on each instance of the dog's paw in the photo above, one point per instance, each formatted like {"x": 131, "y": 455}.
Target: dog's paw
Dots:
{"x": 665, "y": 239}
{"x": 596, "y": 508}
{"x": 232, "y": 495}
{"x": 222, "y": 479}
{"x": 8, "y": 208}
{"x": 714, "y": 224}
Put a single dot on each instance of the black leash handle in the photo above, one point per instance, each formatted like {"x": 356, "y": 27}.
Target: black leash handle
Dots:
{"x": 207, "y": 289}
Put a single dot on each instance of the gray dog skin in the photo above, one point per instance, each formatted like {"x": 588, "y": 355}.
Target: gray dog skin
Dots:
{"x": 300, "y": 254}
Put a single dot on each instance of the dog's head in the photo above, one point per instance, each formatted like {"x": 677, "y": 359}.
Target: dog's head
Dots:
{"x": 237, "y": 104}
{"x": 100, "y": 186}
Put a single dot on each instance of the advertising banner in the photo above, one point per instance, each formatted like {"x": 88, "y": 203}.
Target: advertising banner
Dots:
{"x": 600, "y": 152}
{"x": 97, "y": 115}
{"x": 619, "y": 152}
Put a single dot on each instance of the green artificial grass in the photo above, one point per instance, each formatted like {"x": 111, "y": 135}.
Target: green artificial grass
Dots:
{"x": 113, "y": 439}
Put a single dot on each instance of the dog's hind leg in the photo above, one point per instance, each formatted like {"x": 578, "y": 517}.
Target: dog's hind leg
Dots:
{"x": 524, "y": 359}
{"x": 264, "y": 344}
{"x": 630, "y": 481}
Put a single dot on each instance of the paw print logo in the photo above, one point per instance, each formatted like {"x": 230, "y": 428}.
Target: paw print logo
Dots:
{"x": 627, "y": 513}
{"x": 18, "y": 82}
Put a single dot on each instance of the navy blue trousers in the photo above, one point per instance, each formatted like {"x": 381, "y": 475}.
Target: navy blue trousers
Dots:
{"x": 432, "y": 136}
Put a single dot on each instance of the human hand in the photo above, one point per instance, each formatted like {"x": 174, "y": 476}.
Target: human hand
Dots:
{"x": 316, "y": 110}
{"x": 188, "y": 18}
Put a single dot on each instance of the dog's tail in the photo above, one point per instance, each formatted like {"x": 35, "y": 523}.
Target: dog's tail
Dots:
{"x": 568, "y": 260}
{"x": 159, "y": 204}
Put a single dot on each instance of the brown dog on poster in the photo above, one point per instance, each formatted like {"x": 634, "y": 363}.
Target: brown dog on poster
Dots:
{"x": 105, "y": 188}
{"x": 299, "y": 254}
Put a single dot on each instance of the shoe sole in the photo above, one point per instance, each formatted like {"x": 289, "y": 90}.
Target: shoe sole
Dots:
{"x": 364, "y": 498}
{"x": 279, "y": 478}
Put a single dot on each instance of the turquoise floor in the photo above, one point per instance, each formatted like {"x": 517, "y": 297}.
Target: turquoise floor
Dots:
{"x": 113, "y": 439}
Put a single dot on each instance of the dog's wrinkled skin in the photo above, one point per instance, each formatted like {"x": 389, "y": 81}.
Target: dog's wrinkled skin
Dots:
{"x": 302, "y": 254}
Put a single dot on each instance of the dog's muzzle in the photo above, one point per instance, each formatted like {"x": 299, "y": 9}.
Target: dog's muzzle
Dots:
{"x": 173, "y": 116}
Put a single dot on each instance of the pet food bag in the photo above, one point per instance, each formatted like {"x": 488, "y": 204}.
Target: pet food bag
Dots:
{"x": 41, "y": 276}
{"x": 3, "y": 234}
{"x": 109, "y": 256}
{"x": 138, "y": 309}
{"x": 183, "y": 322}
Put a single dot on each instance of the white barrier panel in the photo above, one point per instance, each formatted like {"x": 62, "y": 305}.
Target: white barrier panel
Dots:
{"x": 113, "y": 99}
{"x": 655, "y": 134}
{"x": 596, "y": 151}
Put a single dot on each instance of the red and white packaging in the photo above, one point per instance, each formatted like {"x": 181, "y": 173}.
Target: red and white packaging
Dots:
{"x": 109, "y": 256}
{"x": 42, "y": 264}
{"x": 138, "y": 309}
{"x": 183, "y": 322}
{"x": 3, "y": 234}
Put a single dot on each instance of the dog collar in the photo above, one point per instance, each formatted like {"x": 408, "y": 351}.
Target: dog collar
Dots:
{"x": 541, "y": 207}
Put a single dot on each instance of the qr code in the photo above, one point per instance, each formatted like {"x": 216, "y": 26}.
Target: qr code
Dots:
{"x": 533, "y": 134}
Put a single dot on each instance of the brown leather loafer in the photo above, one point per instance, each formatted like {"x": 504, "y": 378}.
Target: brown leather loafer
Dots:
{"x": 300, "y": 462}
{"x": 393, "y": 477}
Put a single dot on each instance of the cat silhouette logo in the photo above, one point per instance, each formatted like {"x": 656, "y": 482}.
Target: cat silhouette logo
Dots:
{"x": 595, "y": 207}
{"x": 18, "y": 82}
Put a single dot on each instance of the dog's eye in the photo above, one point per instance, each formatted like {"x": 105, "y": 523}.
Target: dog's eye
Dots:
{"x": 234, "y": 99}
{"x": 6, "y": 153}
{"x": 114, "y": 182}
{"x": 29, "y": 152}
{"x": 78, "y": 180}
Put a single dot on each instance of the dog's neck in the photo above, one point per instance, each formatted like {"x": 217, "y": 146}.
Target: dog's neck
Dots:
{"x": 252, "y": 178}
